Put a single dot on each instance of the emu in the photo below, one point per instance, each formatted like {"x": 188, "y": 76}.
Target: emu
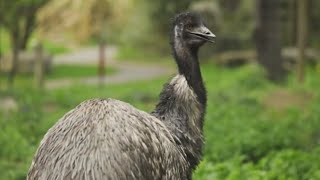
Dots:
{"x": 110, "y": 139}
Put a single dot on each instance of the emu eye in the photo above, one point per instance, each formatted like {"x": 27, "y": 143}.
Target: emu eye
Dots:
{"x": 188, "y": 26}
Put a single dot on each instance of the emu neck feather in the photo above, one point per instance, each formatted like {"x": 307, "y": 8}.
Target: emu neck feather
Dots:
{"x": 186, "y": 57}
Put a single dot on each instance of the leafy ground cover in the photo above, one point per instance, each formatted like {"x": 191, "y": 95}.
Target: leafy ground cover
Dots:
{"x": 59, "y": 72}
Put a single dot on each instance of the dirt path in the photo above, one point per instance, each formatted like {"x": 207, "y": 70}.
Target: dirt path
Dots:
{"x": 88, "y": 55}
{"x": 126, "y": 72}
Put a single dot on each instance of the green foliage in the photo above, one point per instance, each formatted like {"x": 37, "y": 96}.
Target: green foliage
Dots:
{"x": 54, "y": 48}
{"x": 282, "y": 164}
{"x": 236, "y": 24}
{"x": 4, "y": 42}
{"x": 50, "y": 47}
{"x": 162, "y": 11}
{"x": 12, "y": 12}
{"x": 244, "y": 138}
{"x": 18, "y": 18}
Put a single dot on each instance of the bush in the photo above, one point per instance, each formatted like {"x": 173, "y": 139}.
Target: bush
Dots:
{"x": 284, "y": 164}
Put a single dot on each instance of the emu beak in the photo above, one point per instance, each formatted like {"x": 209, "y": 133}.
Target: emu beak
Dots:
{"x": 203, "y": 33}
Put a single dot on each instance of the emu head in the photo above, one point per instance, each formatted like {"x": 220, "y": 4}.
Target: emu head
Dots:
{"x": 190, "y": 29}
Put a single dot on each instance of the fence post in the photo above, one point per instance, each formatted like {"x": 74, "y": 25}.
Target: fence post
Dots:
{"x": 101, "y": 65}
{"x": 38, "y": 66}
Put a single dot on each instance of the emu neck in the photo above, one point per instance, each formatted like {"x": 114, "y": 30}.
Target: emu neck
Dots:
{"x": 188, "y": 66}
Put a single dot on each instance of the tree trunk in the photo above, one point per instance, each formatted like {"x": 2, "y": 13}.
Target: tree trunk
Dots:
{"x": 268, "y": 38}
{"x": 28, "y": 29}
{"x": 292, "y": 23}
{"x": 301, "y": 37}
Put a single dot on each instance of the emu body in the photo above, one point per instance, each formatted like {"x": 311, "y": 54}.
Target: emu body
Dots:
{"x": 109, "y": 139}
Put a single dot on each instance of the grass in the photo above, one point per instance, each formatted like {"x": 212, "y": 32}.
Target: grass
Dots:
{"x": 54, "y": 48}
{"x": 244, "y": 138}
{"x": 59, "y": 72}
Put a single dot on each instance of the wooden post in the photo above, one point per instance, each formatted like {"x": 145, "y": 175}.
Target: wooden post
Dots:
{"x": 101, "y": 65}
{"x": 38, "y": 67}
{"x": 301, "y": 37}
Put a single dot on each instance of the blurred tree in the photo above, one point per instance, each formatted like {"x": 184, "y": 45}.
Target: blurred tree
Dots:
{"x": 163, "y": 10}
{"x": 211, "y": 13}
{"x": 231, "y": 5}
{"x": 302, "y": 37}
{"x": 83, "y": 19}
{"x": 268, "y": 38}
{"x": 237, "y": 25}
{"x": 314, "y": 19}
{"x": 18, "y": 18}
{"x": 290, "y": 31}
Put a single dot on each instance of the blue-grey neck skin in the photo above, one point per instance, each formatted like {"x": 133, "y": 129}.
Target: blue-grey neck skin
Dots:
{"x": 183, "y": 101}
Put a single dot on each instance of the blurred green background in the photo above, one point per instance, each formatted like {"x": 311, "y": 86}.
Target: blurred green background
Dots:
{"x": 262, "y": 75}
